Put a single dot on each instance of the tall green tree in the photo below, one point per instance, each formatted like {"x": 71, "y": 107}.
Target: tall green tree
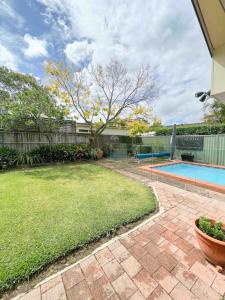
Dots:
{"x": 24, "y": 103}
{"x": 215, "y": 112}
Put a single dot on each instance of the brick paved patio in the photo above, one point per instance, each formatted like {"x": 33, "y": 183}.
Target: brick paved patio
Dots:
{"x": 160, "y": 259}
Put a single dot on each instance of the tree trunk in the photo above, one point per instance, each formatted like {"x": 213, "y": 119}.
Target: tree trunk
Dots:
{"x": 94, "y": 141}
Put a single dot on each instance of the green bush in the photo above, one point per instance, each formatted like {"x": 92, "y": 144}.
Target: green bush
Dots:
{"x": 46, "y": 154}
{"x": 129, "y": 140}
{"x": 214, "y": 230}
{"x": 8, "y": 158}
{"x": 28, "y": 159}
{"x": 193, "y": 130}
{"x": 62, "y": 152}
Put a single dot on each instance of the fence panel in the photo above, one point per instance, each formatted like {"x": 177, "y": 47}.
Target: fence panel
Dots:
{"x": 208, "y": 149}
{"x": 26, "y": 141}
{"x": 158, "y": 143}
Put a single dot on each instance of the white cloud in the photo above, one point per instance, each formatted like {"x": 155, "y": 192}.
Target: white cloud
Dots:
{"x": 79, "y": 52}
{"x": 7, "y": 11}
{"x": 7, "y": 58}
{"x": 35, "y": 47}
{"x": 143, "y": 31}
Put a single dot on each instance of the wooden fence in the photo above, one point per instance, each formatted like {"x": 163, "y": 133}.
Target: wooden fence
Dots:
{"x": 209, "y": 148}
{"x": 26, "y": 141}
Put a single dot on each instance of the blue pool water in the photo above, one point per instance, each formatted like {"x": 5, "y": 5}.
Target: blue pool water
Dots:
{"x": 209, "y": 174}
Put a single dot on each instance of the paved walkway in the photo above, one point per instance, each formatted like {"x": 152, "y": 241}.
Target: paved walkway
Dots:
{"x": 158, "y": 260}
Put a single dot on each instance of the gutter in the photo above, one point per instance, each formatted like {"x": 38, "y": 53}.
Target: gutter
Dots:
{"x": 202, "y": 25}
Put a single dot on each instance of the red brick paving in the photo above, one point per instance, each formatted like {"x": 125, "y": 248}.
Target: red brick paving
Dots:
{"x": 79, "y": 291}
{"x": 113, "y": 269}
{"x": 104, "y": 256}
{"x": 184, "y": 276}
{"x": 150, "y": 263}
{"x": 121, "y": 253}
{"x": 101, "y": 289}
{"x": 160, "y": 294}
{"x": 54, "y": 281}
{"x": 124, "y": 287}
{"x": 181, "y": 292}
{"x": 137, "y": 251}
{"x": 165, "y": 279}
{"x": 202, "y": 272}
{"x": 167, "y": 261}
{"x": 137, "y": 296}
{"x": 91, "y": 269}
{"x": 56, "y": 292}
{"x": 34, "y": 294}
{"x": 160, "y": 259}
{"x": 72, "y": 277}
{"x": 145, "y": 283}
{"x": 131, "y": 266}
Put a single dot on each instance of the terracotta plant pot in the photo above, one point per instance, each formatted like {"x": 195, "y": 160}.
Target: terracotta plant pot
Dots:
{"x": 213, "y": 249}
{"x": 100, "y": 154}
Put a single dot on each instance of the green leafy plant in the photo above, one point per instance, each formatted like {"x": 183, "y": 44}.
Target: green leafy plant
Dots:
{"x": 193, "y": 130}
{"x": 214, "y": 230}
{"x": 46, "y": 154}
{"x": 62, "y": 152}
{"x": 26, "y": 104}
{"x": 28, "y": 159}
{"x": 8, "y": 158}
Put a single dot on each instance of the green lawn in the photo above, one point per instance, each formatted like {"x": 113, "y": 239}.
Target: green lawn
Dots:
{"x": 45, "y": 212}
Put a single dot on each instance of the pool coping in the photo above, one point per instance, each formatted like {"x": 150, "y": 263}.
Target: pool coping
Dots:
{"x": 186, "y": 180}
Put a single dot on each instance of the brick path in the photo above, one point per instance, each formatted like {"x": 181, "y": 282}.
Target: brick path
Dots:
{"x": 160, "y": 259}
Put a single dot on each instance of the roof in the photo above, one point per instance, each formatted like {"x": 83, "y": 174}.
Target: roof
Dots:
{"x": 211, "y": 17}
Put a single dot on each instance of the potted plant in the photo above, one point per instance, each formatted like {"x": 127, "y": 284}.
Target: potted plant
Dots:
{"x": 100, "y": 153}
{"x": 187, "y": 156}
{"x": 211, "y": 238}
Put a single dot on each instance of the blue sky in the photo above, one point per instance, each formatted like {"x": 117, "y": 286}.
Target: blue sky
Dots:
{"x": 162, "y": 33}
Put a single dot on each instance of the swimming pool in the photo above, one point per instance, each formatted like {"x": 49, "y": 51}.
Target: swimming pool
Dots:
{"x": 209, "y": 174}
{"x": 192, "y": 173}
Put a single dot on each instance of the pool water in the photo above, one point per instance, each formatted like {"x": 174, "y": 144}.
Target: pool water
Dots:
{"x": 208, "y": 174}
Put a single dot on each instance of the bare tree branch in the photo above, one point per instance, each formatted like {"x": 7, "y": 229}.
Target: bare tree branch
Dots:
{"x": 102, "y": 94}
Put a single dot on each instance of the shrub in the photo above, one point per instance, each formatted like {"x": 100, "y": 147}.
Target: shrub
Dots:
{"x": 130, "y": 140}
{"x": 8, "y": 158}
{"x": 193, "y": 130}
{"x": 214, "y": 230}
{"x": 46, "y": 154}
{"x": 62, "y": 152}
{"x": 28, "y": 159}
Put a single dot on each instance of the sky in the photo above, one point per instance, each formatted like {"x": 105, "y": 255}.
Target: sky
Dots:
{"x": 162, "y": 33}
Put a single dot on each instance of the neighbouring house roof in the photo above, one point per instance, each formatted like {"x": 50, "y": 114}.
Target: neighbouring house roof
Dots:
{"x": 211, "y": 17}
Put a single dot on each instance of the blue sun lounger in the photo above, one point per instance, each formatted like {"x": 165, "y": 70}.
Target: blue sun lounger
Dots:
{"x": 148, "y": 155}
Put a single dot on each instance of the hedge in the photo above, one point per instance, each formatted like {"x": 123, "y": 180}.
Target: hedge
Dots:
{"x": 193, "y": 130}
{"x": 10, "y": 158}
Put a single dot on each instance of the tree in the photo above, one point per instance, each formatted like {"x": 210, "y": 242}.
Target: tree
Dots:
{"x": 156, "y": 123}
{"x": 138, "y": 121}
{"x": 215, "y": 112}
{"x": 101, "y": 94}
{"x": 137, "y": 127}
{"x": 25, "y": 103}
